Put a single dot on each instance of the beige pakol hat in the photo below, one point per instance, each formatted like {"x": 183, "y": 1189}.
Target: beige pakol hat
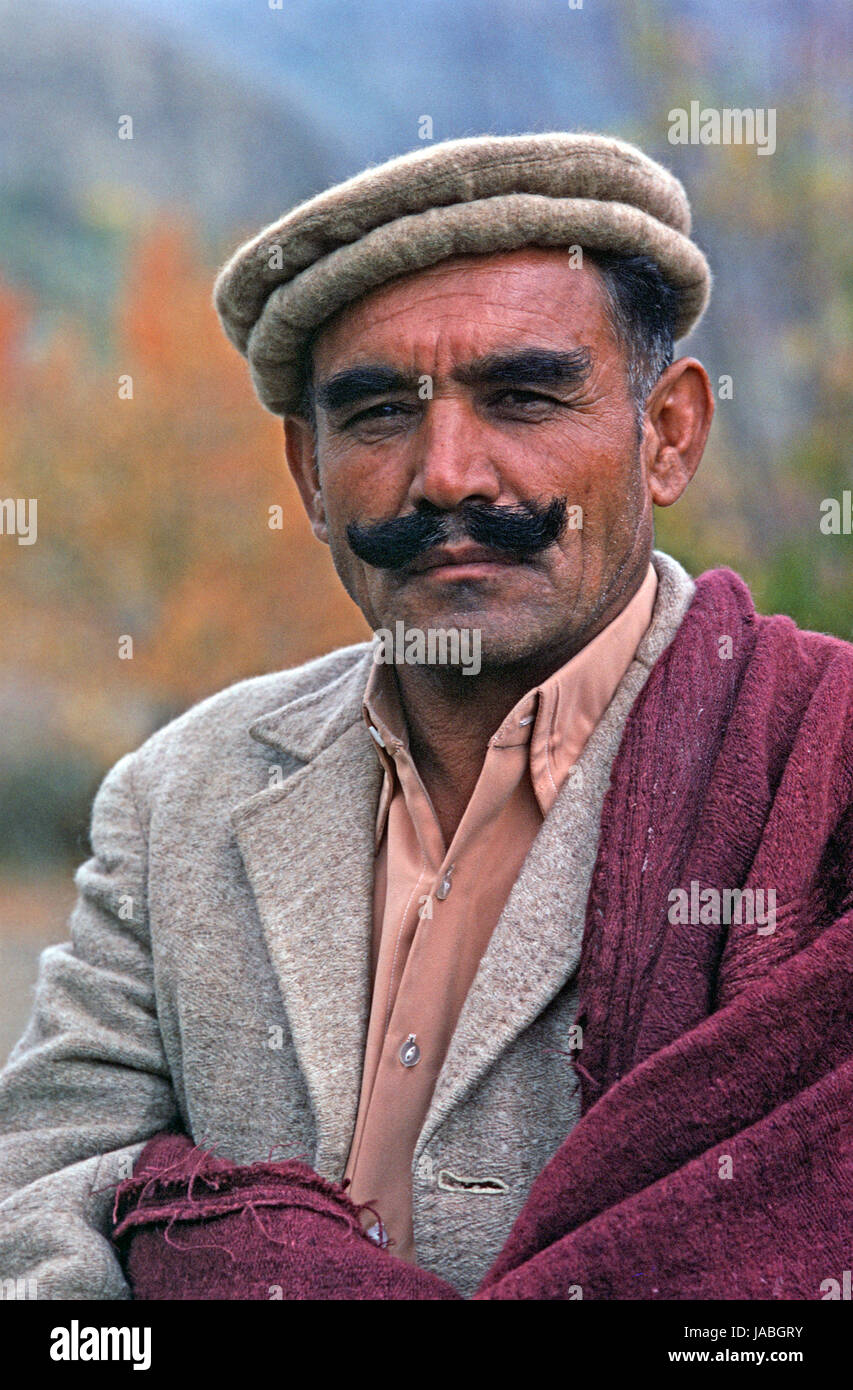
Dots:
{"x": 472, "y": 196}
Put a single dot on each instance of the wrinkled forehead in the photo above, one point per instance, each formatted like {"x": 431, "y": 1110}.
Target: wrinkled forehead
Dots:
{"x": 535, "y": 294}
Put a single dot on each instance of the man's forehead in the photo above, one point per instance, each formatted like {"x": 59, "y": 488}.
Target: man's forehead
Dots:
{"x": 535, "y": 296}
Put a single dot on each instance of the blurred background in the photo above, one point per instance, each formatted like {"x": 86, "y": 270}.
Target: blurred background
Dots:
{"x": 153, "y": 510}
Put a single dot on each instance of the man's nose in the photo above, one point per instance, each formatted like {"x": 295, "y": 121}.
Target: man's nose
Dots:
{"x": 453, "y": 462}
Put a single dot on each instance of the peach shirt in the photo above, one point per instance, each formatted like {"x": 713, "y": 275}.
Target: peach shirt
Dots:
{"x": 435, "y": 906}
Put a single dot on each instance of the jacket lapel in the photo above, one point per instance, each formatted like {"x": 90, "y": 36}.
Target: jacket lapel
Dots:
{"x": 534, "y": 950}
{"x": 308, "y": 848}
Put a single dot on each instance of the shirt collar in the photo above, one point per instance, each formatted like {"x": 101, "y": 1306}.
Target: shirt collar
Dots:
{"x": 555, "y": 717}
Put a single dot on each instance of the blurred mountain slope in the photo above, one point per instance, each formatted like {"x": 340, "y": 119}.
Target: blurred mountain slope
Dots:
{"x": 204, "y": 140}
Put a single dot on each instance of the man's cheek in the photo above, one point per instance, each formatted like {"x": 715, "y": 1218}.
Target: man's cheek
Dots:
{"x": 348, "y": 566}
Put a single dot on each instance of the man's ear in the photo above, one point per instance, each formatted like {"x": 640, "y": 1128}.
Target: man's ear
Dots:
{"x": 300, "y": 451}
{"x": 678, "y": 416}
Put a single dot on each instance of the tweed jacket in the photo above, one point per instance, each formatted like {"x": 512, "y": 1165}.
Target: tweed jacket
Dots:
{"x": 218, "y": 978}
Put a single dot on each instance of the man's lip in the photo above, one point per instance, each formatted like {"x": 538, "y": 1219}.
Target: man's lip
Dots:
{"x": 469, "y": 555}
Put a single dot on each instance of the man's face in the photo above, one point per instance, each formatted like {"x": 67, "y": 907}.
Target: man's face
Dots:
{"x": 460, "y": 416}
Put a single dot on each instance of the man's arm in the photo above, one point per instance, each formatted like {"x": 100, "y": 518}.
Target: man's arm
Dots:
{"x": 88, "y": 1083}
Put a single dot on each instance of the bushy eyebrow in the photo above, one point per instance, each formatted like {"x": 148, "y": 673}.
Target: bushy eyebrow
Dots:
{"x": 529, "y": 367}
{"x": 356, "y": 384}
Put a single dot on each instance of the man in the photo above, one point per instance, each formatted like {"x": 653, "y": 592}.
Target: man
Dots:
{"x": 497, "y": 945}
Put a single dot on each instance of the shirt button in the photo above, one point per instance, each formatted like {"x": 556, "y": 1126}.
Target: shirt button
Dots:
{"x": 410, "y": 1053}
{"x": 445, "y": 886}
{"x": 377, "y": 1234}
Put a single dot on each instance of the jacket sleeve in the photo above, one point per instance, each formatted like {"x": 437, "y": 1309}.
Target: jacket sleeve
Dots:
{"x": 88, "y": 1083}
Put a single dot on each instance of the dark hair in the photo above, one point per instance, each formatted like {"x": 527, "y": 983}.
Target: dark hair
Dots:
{"x": 305, "y": 409}
{"x": 641, "y": 306}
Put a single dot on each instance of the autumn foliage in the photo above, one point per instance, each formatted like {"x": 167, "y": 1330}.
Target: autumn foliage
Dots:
{"x": 153, "y": 512}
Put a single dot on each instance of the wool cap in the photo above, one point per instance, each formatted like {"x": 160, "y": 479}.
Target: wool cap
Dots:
{"x": 471, "y": 196}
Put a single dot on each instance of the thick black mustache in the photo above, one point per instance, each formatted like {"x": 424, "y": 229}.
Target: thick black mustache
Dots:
{"x": 523, "y": 530}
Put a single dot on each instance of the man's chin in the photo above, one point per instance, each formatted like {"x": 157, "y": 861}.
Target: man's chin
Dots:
{"x": 464, "y": 595}
{"x": 500, "y": 639}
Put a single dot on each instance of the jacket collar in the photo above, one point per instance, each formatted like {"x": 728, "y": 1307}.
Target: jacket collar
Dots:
{"x": 307, "y": 725}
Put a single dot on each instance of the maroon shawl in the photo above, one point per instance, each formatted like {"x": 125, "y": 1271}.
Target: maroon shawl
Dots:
{"x": 714, "y": 1155}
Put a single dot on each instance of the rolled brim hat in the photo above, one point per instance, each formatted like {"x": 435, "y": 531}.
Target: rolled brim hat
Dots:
{"x": 473, "y": 196}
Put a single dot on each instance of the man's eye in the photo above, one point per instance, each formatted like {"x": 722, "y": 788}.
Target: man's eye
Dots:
{"x": 517, "y": 396}
{"x": 385, "y": 410}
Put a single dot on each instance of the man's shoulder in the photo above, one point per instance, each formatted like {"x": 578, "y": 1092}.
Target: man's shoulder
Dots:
{"x": 721, "y": 588}
{"x": 789, "y": 682}
{"x": 803, "y": 657}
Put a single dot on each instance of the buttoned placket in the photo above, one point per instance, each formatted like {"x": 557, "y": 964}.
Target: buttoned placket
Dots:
{"x": 446, "y": 866}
